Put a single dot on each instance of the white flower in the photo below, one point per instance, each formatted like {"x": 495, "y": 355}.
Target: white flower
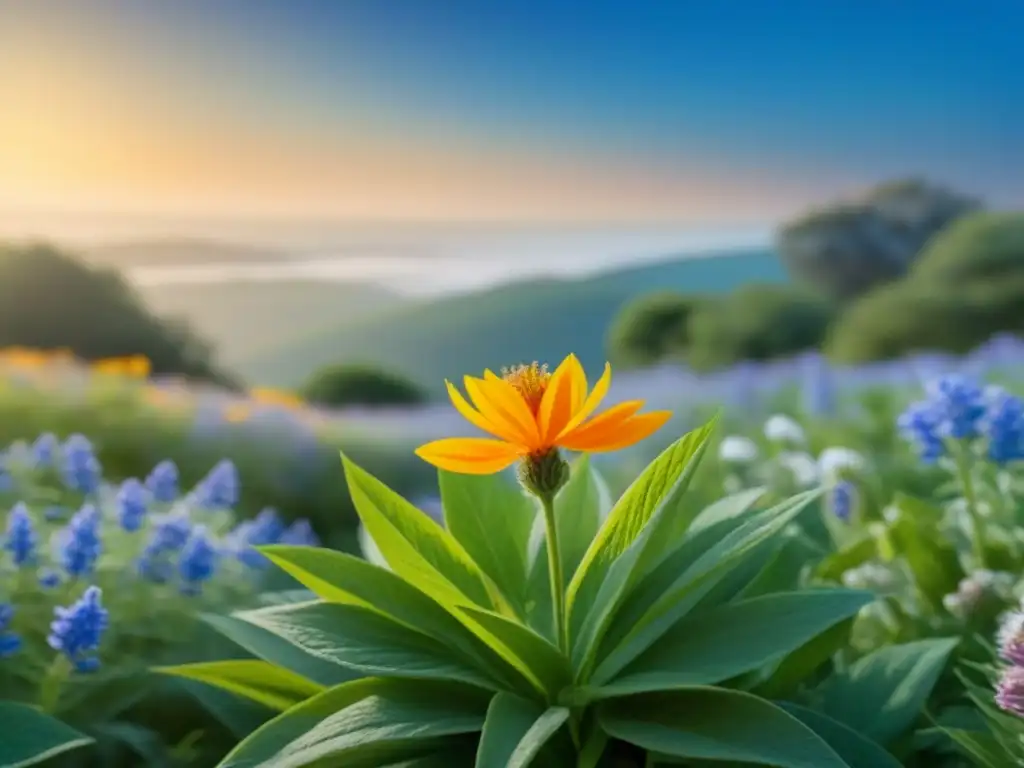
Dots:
{"x": 737, "y": 450}
{"x": 835, "y": 460}
{"x": 782, "y": 429}
{"x": 802, "y": 466}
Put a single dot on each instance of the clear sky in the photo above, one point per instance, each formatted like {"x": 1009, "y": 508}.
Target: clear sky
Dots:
{"x": 714, "y": 112}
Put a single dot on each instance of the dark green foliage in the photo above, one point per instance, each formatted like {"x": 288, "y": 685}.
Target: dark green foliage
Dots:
{"x": 756, "y": 322}
{"x": 50, "y": 300}
{"x": 653, "y": 328}
{"x": 967, "y": 286}
{"x": 343, "y": 384}
{"x": 847, "y": 249}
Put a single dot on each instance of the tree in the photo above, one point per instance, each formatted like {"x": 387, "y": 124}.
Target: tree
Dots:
{"x": 51, "y": 300}
{"x": 342, "y": 384}
{"x": 652, "y": 328}
{"x": 846, "y": 249}
{"x": 757, "y": 322}
{"x": 979, "y": 247}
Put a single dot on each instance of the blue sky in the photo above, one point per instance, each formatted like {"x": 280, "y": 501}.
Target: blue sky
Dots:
{"x": 741, "y": 110}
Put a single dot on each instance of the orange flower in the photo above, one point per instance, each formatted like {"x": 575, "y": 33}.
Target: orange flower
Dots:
{"x": 532, "y": 412}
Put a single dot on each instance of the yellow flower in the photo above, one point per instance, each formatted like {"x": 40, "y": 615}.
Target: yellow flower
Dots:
{"x": 278, "y": 397}
{"x": 532, "y": 412}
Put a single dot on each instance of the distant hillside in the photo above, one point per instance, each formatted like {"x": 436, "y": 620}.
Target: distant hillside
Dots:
{"x": 531, "y": 320}
{"x": 244, "y": 319}
{"x": 175, "y": 252}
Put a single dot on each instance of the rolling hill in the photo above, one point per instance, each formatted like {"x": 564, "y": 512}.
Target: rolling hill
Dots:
{"x": 249, "y": 318}
{"x": 530, "y": 320}
{"x": 175, "y": 252}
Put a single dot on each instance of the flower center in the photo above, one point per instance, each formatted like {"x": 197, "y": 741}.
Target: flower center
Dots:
{"x": 530, "y": 381}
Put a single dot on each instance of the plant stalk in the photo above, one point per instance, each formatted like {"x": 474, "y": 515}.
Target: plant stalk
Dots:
{"x": 963, "y": 462}
{"x": 555, "y": 571}
{"x": 49, "y": 690}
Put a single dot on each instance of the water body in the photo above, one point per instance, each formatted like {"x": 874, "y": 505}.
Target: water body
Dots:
{"x": 436, "y": 263}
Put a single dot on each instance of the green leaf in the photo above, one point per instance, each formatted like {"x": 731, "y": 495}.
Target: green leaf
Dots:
{"x": 366, "y": 641}
{"x": 546, "y": 664}
{"x": 416, "y": 547}
{"x": 240, "y": 716}
{"x": 628, "y": 541}
{"x": 366, "y": 723}
{"x": 805, "y": 661}
{"x": 684, "y": 577}
{"x": 274, "y": 687}
{"x": 855, "y": 553}
{"x": 278, "y": 651}
{"x": 28, "y": 737}
{"x": 491, "y": 519}
{"x": 983, "y": 748}
{"x": 881, "y": 695}
{"x": 856, "y": 751}
{"x": 735, "y": 638}
{"x": 337, "y": 577}
{"x": 716, "y": 724}
{"x": 515, "y": 731}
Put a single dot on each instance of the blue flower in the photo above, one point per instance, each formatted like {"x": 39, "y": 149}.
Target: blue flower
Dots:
{"x": 198, "y": 561}
{"x": 81, "y": 469}
{"x": 21, "y": 536}
{"x": 843, "y": 499}
{"x": 300, "y": 534}
{"x": 919, "y": 424}
{"x": 76, "y": 631}
{"x": 959, "y": 403}
{"x": 10, "y": 643}
{"x": 79, "y": 543}
{"x": 171, "y": 532}
{"x": 162, "y": 482}
{"x": 48, "y": 579}
{"x": 44, "y": 450}
{"x": 219, "y": 489}
{"x": 266, "y": 528}
{"x": 131, "y": 504}
{"x": 1004, "y": 426}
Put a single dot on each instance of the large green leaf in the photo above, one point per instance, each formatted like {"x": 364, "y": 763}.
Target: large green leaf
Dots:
{"x": 882, "y": 694}
{"x": 684, "y": 577}
{"x": 278, "y": 651}
{"x": 628, "y": 541}
{"x": 491, "y": 519}
{"x": 337, "y": 577}
{"x": 580, "y": 508}
{"x": 416, "y": 547}
{"x": 735, "y": 638}
{"x": 366, "y": 723}
{"x": 804, "y": 662}
{"x": 716, "y": 724}
{"x": 856, "y": 751}
{"x": 27, "y": 736}
{"x": 274, "y": 687}
{"x": 239, "y": 715}
{"x": 515, "y": 731}
{"x": 546, "y": 664}
{"x": 366, "y": 641}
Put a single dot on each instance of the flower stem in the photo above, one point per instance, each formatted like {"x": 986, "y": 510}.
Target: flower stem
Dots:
{"x": 555, "y": 570}
{"x": 49, "y": 690}
{"x": 963, "y": 462}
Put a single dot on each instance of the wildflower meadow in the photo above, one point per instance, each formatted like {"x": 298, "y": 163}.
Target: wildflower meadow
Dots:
{"x": 798, "y": 566}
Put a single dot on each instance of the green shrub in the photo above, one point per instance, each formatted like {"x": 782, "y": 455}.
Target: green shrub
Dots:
{"x": 50, "y": 300}
{"x": 756, "y": 322}
{"x": 343, "y": 384}
{"x": 653, "y": 328}
{"x": 983, "y": 247}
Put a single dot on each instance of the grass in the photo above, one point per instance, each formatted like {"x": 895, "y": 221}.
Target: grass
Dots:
{"x": 535, "y": 319}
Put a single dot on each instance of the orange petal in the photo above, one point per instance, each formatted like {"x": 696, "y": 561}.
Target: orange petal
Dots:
{"x": 500, "y": 403}
{"x": 599, "y": 429}
{"x": 474, "y": 417}
{"x": 580, "y": 413}
{"x": 469, "y": 455}
{"x": 556, "y": 407}
{"x": 632, "y": 431}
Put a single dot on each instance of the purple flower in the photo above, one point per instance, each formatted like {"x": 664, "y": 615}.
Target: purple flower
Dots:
{"x": 1011, "y": 638}
{"x": 81, "y": 469}
{"x": 76, "y": 631}
{"x": 300, "y": 534}
{"x": 79, "y": 543}
{"x": 219, "y": 489}
{"x": 198, "y": 561}
{"x": 162, "y": 482}
{"x": 131, "y": 504}
{"x": 44, "y": 450}
{"x": 1010, "y": 691}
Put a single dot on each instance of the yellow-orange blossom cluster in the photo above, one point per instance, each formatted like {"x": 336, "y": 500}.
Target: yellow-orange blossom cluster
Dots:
{"x": 532, "y": 412}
